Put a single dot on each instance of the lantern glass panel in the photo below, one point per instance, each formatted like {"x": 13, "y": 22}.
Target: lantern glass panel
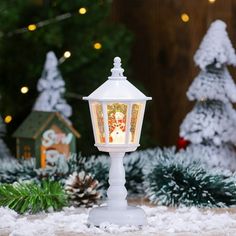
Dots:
{"x": 117, "y": 116}
{"x": 99, "y": 131}
{"x": 136, "y": 117}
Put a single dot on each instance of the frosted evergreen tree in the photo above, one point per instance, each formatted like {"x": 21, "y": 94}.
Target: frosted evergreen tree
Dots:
{"x": 4, "y": 151}
{"x": 52, "y": 87}
{"x": 210, "y": 126}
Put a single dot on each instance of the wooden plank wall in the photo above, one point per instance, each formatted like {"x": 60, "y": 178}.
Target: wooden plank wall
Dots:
{"x": 162, "y": 54}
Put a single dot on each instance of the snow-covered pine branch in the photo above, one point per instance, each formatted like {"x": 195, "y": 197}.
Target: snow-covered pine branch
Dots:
{"x": 210, "y": 121}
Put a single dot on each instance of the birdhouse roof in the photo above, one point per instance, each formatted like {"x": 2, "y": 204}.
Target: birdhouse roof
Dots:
{"x": 37, "y": 121}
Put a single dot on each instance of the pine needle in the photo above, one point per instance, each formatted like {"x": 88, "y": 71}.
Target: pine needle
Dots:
{"x": 31, "y": 197}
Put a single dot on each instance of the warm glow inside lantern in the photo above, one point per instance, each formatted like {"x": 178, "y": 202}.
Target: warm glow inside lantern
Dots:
{"x": 117, "y": 110}
{"x": 117, "y": 122}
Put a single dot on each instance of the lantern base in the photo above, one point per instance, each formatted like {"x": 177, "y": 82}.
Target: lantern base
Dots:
{"x": 124, "y": 216}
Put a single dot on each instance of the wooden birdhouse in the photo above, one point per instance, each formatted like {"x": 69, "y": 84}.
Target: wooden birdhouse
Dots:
{"x": 43, "y": 135}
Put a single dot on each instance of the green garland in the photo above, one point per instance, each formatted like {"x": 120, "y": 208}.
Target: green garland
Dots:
{"x": 14, "y": 170}
{"x": 31, "y": 197}
{"x": 173, "y": 180}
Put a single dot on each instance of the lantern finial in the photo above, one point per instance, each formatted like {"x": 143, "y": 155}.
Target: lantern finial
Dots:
{"x": 117, "y": 62}
{"x": 117, "y": 70}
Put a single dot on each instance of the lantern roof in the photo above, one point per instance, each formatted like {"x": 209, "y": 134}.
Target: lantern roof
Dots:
{"x": 117, "y": 87}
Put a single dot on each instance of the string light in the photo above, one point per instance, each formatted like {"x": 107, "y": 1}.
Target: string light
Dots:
{"x": 185, "y": 17}
{"x": 24, "y": 89}
{"x": 8, "y": 119}
{"x": 97, "y": 46}
{"x": 39, "y": 24}
{"x": 32, "y": 27}
{"x": 82, "y": 10}
{"x": 67, "y": 54}
{"x": 211, "y": 1}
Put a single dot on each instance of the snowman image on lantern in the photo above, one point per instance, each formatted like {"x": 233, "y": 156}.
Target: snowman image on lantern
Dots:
{"x": 118, "y": 127}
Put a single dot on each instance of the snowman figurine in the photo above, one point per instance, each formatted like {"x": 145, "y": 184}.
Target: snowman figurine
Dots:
{"x": 118, "y": 133}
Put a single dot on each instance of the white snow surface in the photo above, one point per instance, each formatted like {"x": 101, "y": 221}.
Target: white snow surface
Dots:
{"x": 73, "y": 221}
{"x": 214, "y": 86}
{"x": 212, "y": 121}
{"x": 215, "y": 47}
{"x": 52, "y": 87}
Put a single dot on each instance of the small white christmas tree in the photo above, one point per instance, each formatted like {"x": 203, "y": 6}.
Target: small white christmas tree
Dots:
{"x": 52, "y": 87}
{"x": 4, "y": 151}
{"x": 211, "y": 125}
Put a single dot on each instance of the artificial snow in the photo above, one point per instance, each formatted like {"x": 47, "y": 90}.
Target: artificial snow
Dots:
{"x": 210, "y": 121}
{"x": 213, "y": 85}
{"x": 215, "y": 47}
{"x": 223, "y": 156}
{"x": 161, "y": 220}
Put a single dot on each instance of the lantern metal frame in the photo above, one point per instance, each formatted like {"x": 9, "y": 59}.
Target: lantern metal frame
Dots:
{"x": 117, "y": 90}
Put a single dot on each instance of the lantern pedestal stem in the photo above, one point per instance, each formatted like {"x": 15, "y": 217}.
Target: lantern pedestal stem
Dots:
{"x": 117, "y": 192}
{"x": 117, "y": 211}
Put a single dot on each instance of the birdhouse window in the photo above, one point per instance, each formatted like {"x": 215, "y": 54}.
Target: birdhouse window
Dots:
{"x": 26, "y": 152}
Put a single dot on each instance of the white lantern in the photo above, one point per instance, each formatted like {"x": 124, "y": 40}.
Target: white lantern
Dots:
{"x": 117, "y": 110}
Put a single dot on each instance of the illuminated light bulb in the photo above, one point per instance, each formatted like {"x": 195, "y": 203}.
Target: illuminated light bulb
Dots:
{"x": 82, "y": 10}
{"x": 211, "y": 1}
{"x": 24, "y": 90}
{"x": 67, "y": 54}
{"x": 8, "y": 119}
{"x": 32, "y": 27}
{"x": 185, "y": 17}
{"x": 97, "y": 46}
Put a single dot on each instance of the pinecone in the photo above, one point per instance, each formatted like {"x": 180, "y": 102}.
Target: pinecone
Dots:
{"x": 82, "y": 189}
